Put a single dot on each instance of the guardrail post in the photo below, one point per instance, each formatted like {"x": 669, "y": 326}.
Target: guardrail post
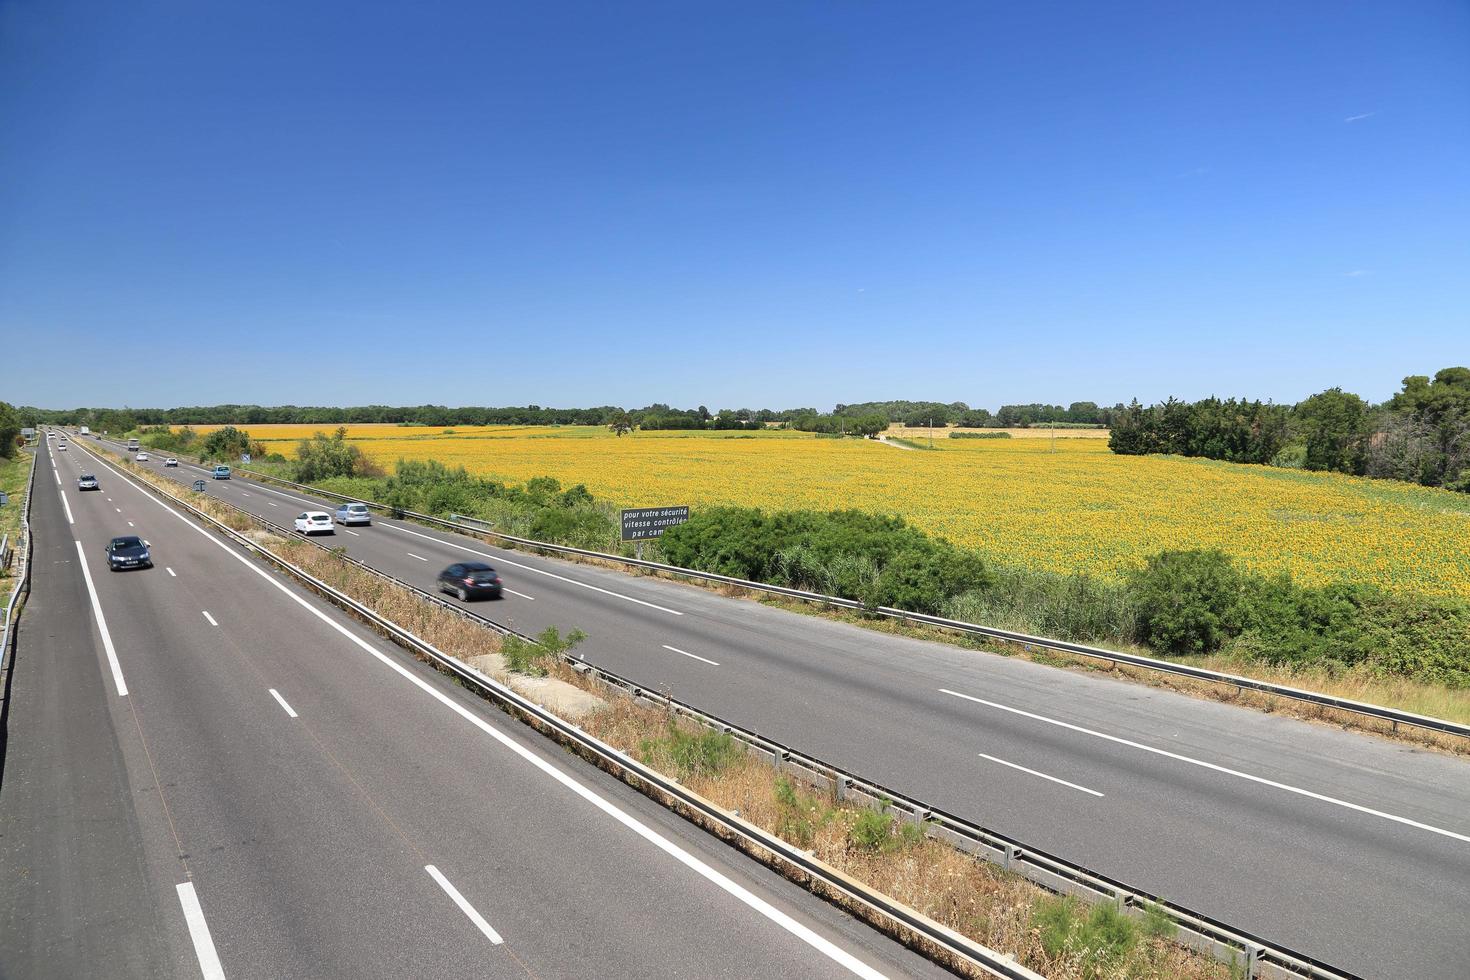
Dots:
{"x": 1252, "y": 957}
{"x": 779, "y": 757}
{"x": 841, "y": 786}
{"x": 1012, "y": 852}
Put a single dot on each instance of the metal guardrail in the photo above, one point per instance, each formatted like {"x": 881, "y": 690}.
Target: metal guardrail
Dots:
{"x": 892, "y": 913}
{"x": 1396, "y": 716}
{"x": 1255, "y": 956}
{"x": 17, "y": 595}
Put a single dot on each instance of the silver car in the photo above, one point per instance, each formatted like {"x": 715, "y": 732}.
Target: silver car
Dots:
{"x": 354, "y": 514}
{"x": 86, "y": 482}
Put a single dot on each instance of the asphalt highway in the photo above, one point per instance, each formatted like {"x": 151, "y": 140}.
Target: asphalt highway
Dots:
{"x": 1348, "y": 848}
{"x": 210, "y": 772}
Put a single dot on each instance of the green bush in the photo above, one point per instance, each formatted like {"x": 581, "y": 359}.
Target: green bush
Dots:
{"x": 527, "y": 657}
{"x": 1187, "y": 601}
{"x": 875, "y": 559}
{"x": 1067, "y": 928}
{"x": 690, "y": 753}
{"x": 323, "y": 457}
{"x": 878, "y": 831}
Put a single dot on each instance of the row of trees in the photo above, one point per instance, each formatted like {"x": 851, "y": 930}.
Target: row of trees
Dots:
{"x": 1421, "y": 434}
{"x": 655, "y": 416}
{"x": 10, "y": 426}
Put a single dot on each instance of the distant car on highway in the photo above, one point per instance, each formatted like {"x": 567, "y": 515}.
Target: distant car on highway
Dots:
{"x": 315, "y": 522}
{"x": 132, "y": 445}
{"x": 354, "y": 514}
{"x": 221, "y": 473}
{"x": 470, "y": 580}
{"x": 171, "y": 461}
{"x": 86, "y": 482}
{"x": 128, "y": 552}
{"x": 142, "y": 457}
{"x": 61, "y": 446}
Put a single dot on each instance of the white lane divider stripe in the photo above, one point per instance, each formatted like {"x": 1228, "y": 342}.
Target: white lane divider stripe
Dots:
{"x": 170, "y": 571}
{"x": 521, "y": 594}
{"x": 412, "y": 555}
{"x": 464, "y": 906}
{"x": 348, "y": 530}
{"x": 692, "y": 656}
{"x": 529, "y": 568}
{"x": 1043, "y": 775}
{"x": 199, "y": 932}
{"x": 272, "y": 503}
{"x": 66, "y": 507}
{"x": 117, "y": 677}
{"x": 1221, "y": 769}
{"x": 209, "y": 617}
{"x": 282, "y": 702}
{"x": 130, "y": 523}
{"x": 742, "y": 894}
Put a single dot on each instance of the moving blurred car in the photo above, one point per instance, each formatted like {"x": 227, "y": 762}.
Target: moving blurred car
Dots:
{"x": 354, "y": 514}
{"x": 171, "y": 462}
{"x": 128, "y": 552}
{"x": 86, "y": 482}
{"x": 470, "y": 580}
{"x": 221, "y": 473}
{"x": 315, "y": 522}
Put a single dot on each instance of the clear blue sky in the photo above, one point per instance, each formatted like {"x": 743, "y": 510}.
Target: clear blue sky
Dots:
{"x": 735, "y": 204}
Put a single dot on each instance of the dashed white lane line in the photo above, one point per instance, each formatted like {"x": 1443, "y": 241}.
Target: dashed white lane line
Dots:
{"x": 244, "y": 494}
{"x": 272, "y": 503}
{"x": 199, "y": 932}
{"x": 737, "y": 891}
{"x": 130, "y": 523}
{"x": 351, "y": 532}
{"x": 1221, "y": 769}
{"x": 170, "y": 571}
{"x": 117, "y": 677}
{"x": 464, "y": 906}
{"x": 529, "y": 568}
{"x": 1043, "y": 775}
{"x": 209, "y": 617}
{"x": 118, "y": 509}
{"x": 692, "y": 656}
{"x": 66, "y": 507}
{"x": 58, "y": 477}
{"x": 412, "y": 555}
{"x": 282, "y": 702}
{"x": 521, "y": 594}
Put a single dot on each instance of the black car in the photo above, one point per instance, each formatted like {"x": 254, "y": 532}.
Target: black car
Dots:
{"x": 470, "y": 580}
{"x": 128, "y": 552}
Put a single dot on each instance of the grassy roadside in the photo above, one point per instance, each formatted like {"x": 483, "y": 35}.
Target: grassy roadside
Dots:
{"x": 14, "y": 473}
{"x": 1056, "y": 936}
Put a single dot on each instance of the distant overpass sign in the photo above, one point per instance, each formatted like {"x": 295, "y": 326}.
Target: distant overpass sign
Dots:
{"x": 643, "y": 523}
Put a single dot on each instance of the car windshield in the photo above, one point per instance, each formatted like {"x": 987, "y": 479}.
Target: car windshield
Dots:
{"x": 88, "y": 476}
{"x": 132, "y": 542}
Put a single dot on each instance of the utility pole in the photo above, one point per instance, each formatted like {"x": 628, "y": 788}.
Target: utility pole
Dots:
{"x": 931, "y": 432}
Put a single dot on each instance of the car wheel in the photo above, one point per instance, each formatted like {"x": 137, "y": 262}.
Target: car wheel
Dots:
{"x": 463, "y": 595}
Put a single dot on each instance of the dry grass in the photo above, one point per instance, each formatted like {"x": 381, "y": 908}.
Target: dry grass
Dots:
{"x": 1036, "y": 432}
{"x": 969, "y": 895}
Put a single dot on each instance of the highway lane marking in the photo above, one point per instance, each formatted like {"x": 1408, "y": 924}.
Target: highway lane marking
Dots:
{"x": 170, "y": 571}
{"x": 529, "y": 568}
{"x": 209, "y": 617}
{"x": 199, "y": 932}
{"x": 412, "y": 555}
{"x": 1041, "y": 774}
{"x": 130, "y": 523}
{"x": 56, "y": 474}
{"x": 820, "y": 943}
{"x": 521, "y": 594}
{"x": 694, "y": 656}
{"x": 244, "y": 493}
{"x": 272, "y": 503}
{"x": 117, "y": 677}
{"x": 1358, "y": 808}
{"x": 118, "y": 509}
{"x": 66, "y": 507}
{"x": 464, "y": 905}
{"x": 351, "y": 532}
{"x": 282, "y": 702}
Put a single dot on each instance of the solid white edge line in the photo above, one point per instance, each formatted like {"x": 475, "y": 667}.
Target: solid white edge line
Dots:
{"x": 1041, "y": 774}
{"x": 282, "y": 702}
{"x": 117, "y": 677}
{"x": 66, "y": 507}
{"x": 803, "y": 932}
{"x": 464, "y": 905}
{"x": 529, "y": 568}
{"x": 199, "y": 932}
{"x": 412, "y": 555}
{"x": 521, "y": 594}
{"x": 1221, "y": 769}
{"x": 209, "y": 617}
{"x": 692, "y": 656}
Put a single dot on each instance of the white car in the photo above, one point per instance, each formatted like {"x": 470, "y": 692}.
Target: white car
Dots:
{"x": 171, "y": 462}
{"x": 142, "y": 457}
{"x": 61, "y": 447}
{"x": 315, "y": 522}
